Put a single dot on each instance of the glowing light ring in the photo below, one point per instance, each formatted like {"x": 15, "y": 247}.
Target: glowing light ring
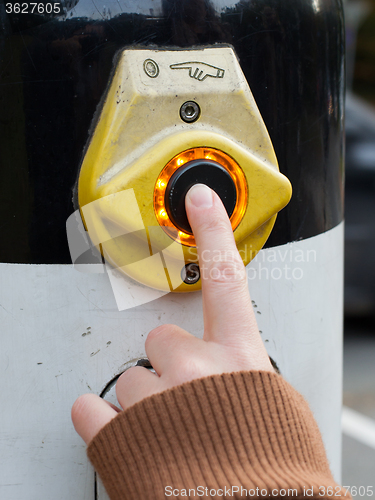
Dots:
{"x": 207, "y": 153}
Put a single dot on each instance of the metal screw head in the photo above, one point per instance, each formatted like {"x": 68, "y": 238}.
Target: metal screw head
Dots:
{"x": 190, "y": 273}
{"x": 151, "y": 68}
{"x": 190, "y": 111}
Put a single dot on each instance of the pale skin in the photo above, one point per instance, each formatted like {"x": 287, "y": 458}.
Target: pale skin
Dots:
{"x": 231, "y": 340}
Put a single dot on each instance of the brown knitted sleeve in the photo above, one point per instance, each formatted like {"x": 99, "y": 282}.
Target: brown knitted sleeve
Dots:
{"x": 216, "y": 436}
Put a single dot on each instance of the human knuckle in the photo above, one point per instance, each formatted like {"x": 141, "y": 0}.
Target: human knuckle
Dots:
{"x": 191, "y": 368}
{"x": 227, "y": 268}
{"x": 126, "y": 377}
{"x": 215, "y": 225}
{"x": 160, "y": 332}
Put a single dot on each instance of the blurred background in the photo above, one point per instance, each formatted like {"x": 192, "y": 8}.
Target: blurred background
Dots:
{"x": 359, "y": 325}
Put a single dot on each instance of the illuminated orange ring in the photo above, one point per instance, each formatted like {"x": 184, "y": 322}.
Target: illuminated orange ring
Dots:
{"x": 207, "y": 153}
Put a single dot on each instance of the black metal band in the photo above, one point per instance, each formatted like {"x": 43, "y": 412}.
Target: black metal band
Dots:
{"x": 54, "y": 73}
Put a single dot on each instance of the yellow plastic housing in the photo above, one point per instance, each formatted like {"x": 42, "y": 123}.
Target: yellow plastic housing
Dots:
{"x": 139, "y": 132}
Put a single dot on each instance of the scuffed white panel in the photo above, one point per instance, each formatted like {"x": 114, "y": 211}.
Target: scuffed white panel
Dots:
{"x": 62, "y": 336}
{"x": 301, "y": 320}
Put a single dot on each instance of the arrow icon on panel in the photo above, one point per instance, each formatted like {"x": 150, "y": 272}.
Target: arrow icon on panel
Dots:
{"x": 200, "y": 70}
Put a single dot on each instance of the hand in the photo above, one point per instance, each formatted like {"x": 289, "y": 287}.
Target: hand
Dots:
{"x": 231, "y": 340}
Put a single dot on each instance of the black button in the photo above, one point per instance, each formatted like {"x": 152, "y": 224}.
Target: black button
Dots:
{"x": 206, "y": 172}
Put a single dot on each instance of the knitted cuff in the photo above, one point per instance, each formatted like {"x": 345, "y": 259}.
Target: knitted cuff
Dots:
{"x": 216, "y": 436}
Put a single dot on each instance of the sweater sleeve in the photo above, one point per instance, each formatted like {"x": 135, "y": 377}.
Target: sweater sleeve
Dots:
{"x": 216, "y": 436}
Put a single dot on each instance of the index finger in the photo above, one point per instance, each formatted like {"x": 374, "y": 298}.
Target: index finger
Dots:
{"x": 228, "y": 313}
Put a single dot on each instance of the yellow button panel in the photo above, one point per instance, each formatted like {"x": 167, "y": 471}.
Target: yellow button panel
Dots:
{"x": 162, "y": 109}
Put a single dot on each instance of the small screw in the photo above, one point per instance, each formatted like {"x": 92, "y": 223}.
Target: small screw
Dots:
{"x": 190, "y": 111}
{"x": 151, "y": 68}
{"x": 190, "y": 273}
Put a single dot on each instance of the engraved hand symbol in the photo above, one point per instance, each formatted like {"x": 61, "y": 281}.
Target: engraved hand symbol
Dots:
{"x": 200, "y": 70}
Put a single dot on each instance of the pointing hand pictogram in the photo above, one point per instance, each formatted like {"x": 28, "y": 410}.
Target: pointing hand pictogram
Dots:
{"x": 200, "y": 70}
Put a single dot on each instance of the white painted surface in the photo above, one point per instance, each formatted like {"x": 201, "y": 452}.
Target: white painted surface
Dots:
{"x": 358, "y": 426}
{"x": 302, "y": 325}
{"x": 62, "y": 336}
